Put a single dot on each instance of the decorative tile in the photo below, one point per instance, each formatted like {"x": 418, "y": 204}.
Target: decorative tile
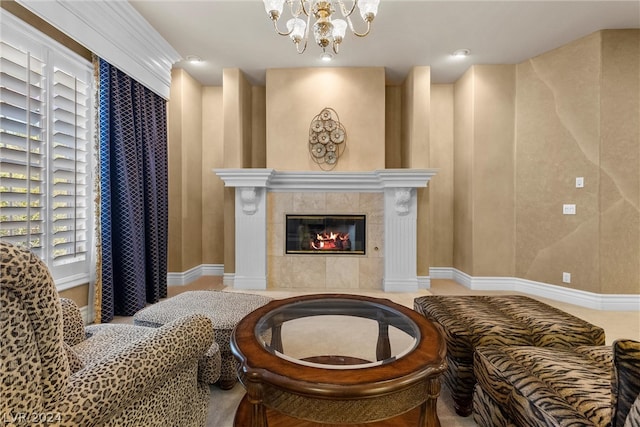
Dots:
{"x": 340, "y": 203}
{"x": 342, "y": 272}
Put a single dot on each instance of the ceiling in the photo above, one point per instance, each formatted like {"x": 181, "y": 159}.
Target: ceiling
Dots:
{"x": 239, "y": 34}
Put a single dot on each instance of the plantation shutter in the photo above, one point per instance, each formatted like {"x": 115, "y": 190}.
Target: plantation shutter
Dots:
{"x": 46, "y": 151}
{"x": 22, "y": 136}
{"x": 69, "y": 167}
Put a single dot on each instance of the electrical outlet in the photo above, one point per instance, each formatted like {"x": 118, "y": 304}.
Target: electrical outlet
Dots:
{"x": 566, "y": 277}
{"x": 580, "y": 182}
{"x": 569, "y": 209}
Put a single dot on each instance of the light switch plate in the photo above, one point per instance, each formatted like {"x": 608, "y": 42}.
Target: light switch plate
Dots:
{"x": 569, "y": 209}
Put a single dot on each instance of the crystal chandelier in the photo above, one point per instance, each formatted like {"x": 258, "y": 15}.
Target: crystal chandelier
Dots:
{"x": 326, "y": 31}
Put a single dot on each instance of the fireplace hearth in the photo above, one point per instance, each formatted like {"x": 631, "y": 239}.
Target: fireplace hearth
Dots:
{"x": 325, "y": 234}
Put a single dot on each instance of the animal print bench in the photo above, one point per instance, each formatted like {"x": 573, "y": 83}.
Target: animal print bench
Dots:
{"x": 536, "y": 386}
{"x": 469, "y": 322}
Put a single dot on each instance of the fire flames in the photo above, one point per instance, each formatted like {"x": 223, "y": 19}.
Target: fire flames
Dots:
{"x": 327, "y": 241}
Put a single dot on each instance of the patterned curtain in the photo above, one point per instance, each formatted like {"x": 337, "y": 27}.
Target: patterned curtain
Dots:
{"x": 133, "y": 195}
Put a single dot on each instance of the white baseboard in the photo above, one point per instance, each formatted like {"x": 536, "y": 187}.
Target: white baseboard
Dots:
{"x": 228, "y": 279}
{"x": 424, "y": 282}
{"x": 612, "y": 302}
{"x": 400, "y": 285}
{"x": 87, "y": 314}
{"x": 194, "y": 273}
{"x": 441, "y": 273}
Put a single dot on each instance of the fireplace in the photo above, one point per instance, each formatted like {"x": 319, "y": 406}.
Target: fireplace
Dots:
{"x": 325, "y": 234}
{"x": 388, "y": 198}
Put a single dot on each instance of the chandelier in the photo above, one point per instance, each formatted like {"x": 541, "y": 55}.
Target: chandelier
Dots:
{"x": 326, "y": 30}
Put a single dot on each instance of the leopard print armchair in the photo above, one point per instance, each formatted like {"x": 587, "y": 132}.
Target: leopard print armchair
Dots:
{"x": 85, "y": 345}
{"x": 149, "y": 382}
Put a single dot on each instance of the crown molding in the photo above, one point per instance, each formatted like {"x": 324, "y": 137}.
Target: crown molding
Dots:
{"x": 116, "y": 32}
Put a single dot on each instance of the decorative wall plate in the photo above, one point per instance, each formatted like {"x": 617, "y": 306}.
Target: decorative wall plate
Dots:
{"x": 318, "y": 150}
{"x": 317, "y": 126}
{"x": 330, "y": 125}
{"x": 327, "y": 138}
{"x": 330, "y": 157}
{"x": 337, "y": 136}
{"x": 323, "y": 137}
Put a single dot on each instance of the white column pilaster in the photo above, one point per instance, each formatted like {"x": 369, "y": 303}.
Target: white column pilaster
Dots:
{"x": 251, "y": 238}
{"x": 400, "y": 231}
{"x": 251, "y": 225}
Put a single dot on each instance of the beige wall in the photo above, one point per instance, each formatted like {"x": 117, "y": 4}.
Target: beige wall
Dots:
{"x": 213, "y": 241}
{"x": 557, "y": 140}
{"x": 484, "y": 171}
{"x": 79, "y": 295}
{"x": 462, "y": 173}
{"x": 258, "y": 127}
{"x": 441, "y": 186}
{"x": 185, "y": 173}
{"x": 237, "y": 142}
{"x": 492, "y": 182}
{"x": 619, "y": 197}
{"x": 416, "y": 117}
{"x": 295, "y": 96}
{"x": 586, "y": 93}
{"x": 393, "y": 127}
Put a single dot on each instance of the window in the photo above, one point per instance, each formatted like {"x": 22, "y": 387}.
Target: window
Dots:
{"x": 46, "y": 116}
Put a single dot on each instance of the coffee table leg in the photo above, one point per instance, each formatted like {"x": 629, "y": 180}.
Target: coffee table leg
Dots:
{"x": 276, "y": 337}
{"x": 258, "y": 415}
{"x": 258, "y": 412}
{"x": 383, "y": 348}
{"x": 428, "y": 409}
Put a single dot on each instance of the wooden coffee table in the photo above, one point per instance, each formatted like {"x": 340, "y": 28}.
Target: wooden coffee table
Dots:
{"x": 335, "y": 359}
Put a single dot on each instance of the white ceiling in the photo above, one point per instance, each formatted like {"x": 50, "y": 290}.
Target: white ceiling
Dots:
{"x": 239, "y": 34}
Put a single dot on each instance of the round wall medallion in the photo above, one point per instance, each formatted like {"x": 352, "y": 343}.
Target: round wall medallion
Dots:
{"x": 327, "y": 138}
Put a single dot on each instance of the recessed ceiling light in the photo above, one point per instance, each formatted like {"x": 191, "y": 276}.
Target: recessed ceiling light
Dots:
{"x": 194, "y": 59}
{"x": 461, "y": 53}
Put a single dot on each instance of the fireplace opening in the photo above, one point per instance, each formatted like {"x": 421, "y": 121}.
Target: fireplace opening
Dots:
{"x": 325, "y": 234}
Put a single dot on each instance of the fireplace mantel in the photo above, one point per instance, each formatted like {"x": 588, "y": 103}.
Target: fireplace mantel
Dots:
{"x": 400, "y": 216}
{"x": 369, "y": 181}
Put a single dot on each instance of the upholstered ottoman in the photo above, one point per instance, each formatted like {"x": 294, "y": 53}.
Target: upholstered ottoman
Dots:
{"x": 507, "y": 320}
{"x": 543, "y": 386}
{"x": 225, "y": 309}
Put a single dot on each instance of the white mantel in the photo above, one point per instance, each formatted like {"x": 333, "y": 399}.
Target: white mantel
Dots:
{"x": 400, "y": 216}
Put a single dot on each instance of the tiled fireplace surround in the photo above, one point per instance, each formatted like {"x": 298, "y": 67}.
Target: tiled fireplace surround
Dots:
{"x": 387, "y": 197}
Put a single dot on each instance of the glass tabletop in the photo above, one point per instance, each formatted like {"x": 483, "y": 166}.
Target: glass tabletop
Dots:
{"x": 337, "y": 333}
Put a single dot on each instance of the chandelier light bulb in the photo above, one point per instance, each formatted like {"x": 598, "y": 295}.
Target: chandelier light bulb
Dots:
{"x": 274, "y": 8}
{"x": 296, "y": 27}
{"x": 368, "y": 9}
{"x": 339, "y": 30}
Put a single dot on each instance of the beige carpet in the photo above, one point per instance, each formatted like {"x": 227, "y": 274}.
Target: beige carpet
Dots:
{"x": 224, "y": 403}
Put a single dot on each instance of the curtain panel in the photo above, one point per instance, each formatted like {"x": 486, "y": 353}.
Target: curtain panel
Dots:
{"x": 132, "y": 205}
